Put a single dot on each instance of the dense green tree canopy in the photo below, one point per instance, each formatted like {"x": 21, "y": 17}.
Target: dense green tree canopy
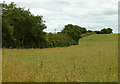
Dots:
{"x": 74, "y": 31}
{"x": 21, "y": 28}
{"x": 105, "y": 31}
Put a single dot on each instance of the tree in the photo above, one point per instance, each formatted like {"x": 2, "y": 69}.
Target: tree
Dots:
{"x": 83, "y": 30}
{"x": 74, "y": 31}
{"x": 63, "y": 40}
{"x": 59, "y": 40}
{"x": 106, "y": 31}
{"x": 109, "y": 30}
{"x": 21, "y": 29}
{"x": 90, "y": 31}
{"x": 98, "y": 32}
{"x": 7, "y": 31}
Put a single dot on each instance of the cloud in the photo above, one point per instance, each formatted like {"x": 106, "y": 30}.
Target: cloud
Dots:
{"x": 62, "y": 0}
{"x": 92, "y": 14}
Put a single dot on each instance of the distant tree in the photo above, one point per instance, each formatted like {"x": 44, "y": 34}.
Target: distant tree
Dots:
{"x": 74, "y": 31}
{"x": 87, "y": 34}
{"x": 90, "y": 31}
{"x": 109, "y": 30}
{"x": 106, "y": 31}
{"x": 98, "y": 32}
{"x": 59, "y": 40}
{"x": 63, "y": 40}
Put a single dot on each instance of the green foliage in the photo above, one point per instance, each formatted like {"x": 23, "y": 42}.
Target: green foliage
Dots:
{"x": 21, "y": 29}
{"x": 50, "y": 40}
{"x": 74, "y": 31}
{"x": 87, "y": 34}
{"x": 59, "y": 40}
{"x": 64, "y": 40}
{"x": 104, "y": 31}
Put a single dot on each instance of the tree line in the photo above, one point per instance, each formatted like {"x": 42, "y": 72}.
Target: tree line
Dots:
{"x": 21, "y": 29}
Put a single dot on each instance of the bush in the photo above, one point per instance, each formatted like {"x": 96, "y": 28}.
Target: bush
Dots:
{"x": 87, "y": 34}
{"x": 59, "y": 40}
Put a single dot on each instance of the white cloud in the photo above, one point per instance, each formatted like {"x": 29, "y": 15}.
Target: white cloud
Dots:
{"x": 62, "y": 0}
{"x": 38, "y": 11}
{"x": 92, "y": 14}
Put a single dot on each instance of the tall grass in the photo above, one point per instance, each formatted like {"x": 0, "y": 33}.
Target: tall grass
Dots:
{"x": 94, "y": 59}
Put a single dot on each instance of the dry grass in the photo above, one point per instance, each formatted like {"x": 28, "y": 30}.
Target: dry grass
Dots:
{"x": 95, "y": 59}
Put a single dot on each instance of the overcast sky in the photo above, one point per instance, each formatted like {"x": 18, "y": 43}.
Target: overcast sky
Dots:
{"x": 91, "y": 14}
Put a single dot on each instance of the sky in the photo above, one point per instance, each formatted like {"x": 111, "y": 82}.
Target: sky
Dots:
{"x": 91, "y": 14}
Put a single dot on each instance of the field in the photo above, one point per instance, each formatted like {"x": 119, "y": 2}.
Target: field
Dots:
{"x": 94, "y": 59}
